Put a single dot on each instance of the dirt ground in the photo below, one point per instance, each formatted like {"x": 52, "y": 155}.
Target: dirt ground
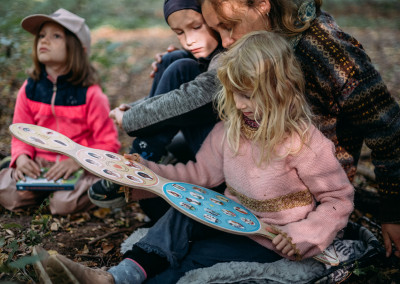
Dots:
{"x": 94, "y": 237}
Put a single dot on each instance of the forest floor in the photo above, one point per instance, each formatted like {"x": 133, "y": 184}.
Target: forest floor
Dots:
{"x": 94, "y": 237}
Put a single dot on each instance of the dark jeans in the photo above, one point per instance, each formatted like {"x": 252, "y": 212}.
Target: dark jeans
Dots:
{"x": 188, "y": 244}
{"x": 176, "y": 68}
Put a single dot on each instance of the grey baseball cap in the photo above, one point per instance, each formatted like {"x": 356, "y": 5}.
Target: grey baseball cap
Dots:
{"x": 68, "y": 20}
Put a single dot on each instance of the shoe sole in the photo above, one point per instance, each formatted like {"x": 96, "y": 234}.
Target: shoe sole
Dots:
{"x": 59, "y": 273}
{"x": 118, "y": 202}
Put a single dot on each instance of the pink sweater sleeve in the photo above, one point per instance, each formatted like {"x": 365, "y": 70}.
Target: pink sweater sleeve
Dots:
{"x": 22, "y": 114}
{"x": 207, "y": 171}
{"x": 321, "y": 172}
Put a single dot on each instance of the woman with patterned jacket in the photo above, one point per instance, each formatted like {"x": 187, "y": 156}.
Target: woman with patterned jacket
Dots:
{"x": 350, "y": 101}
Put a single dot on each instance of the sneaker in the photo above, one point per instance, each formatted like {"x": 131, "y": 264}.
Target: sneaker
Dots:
{"x": 107, "y": 194}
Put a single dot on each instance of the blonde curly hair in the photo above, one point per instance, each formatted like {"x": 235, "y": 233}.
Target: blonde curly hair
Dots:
{"x": 263, "y": 64}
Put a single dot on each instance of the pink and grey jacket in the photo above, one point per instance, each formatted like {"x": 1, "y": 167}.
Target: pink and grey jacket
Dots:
{"x": 80, "y": 113}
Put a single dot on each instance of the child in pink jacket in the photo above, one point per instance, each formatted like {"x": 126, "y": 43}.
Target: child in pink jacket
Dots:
{"x": 62, "y": 94}
{"x": 274, "y": 162}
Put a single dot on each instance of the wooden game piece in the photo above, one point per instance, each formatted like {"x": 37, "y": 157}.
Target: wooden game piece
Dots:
{"x": 199, "y": 203}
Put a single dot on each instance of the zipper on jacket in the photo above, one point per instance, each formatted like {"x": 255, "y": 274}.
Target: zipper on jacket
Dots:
{"x": 53, "y": 110}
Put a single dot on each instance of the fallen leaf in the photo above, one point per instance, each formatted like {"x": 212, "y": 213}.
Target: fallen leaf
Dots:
{"x": 102, "y": 213}
{"x": 79, "y": 221}
{"x": 3, "y": 258}
{"x": 107, "y": 248}
{"x": 141, "y": 217}
{"x": 85, "y": 250}
{"x": 54, "y": 226}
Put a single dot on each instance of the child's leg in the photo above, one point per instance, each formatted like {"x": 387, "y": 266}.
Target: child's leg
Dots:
{"x": 167, "y": 60}
{"x": 173, "y": 246}
{"x": 172, "y": 74}
{"x": 66, "y": 202}
{"x": 170, "y": 239}
{"x": 153, "y": 147}
{"x": 208, "y": 252}
{"x": 13, "y": 199}
{"x": 187, "y": 244}
{"x": 166, "y": 244}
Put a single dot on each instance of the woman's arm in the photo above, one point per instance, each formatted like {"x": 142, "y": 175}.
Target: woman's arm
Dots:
{"x": 191, "y": 104}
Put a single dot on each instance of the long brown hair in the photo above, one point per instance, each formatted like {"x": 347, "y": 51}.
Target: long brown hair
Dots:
{"x": 283, "y": 16}
{"x": 78, "y": 66}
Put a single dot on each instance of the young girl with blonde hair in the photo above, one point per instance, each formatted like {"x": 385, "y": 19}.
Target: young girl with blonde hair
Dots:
{"x": 274, "y": 162}
{"x": 247, "y": 76}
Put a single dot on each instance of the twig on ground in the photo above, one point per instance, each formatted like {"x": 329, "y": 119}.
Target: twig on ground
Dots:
{"x": 110, "y": 234}
{"x": 88, "y": 255}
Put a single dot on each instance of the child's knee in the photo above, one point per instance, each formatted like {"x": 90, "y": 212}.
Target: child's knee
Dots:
{"x": 58, "y": 206}
{"x": 182, "y": 68}
{"x": 170, "y": 57}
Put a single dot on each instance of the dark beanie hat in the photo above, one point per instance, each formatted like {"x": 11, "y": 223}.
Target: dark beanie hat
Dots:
{"x": 171, "y": 6}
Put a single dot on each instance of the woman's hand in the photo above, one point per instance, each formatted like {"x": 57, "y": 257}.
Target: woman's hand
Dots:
{"x": 391, "y": 233}
{"x": 117, "y": 114}
{"x": 26, "y": 166}
{"x": 63, "y": 169}
{"x": 158, "y": 59}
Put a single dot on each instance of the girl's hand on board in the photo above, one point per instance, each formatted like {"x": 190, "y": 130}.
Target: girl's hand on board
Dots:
{"x": 282, "y": 243}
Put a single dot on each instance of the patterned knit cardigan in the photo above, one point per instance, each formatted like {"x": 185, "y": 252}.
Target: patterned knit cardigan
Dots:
{"x": 352, "y": 105}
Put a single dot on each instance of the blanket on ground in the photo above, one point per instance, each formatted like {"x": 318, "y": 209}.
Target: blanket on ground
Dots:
{"x": 354, "y": 247}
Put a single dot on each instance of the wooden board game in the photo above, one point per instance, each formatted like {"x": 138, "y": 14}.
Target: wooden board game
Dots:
{"x": 202, "y": 204}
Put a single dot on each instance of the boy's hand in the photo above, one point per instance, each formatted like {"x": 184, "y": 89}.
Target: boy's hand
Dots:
{"x": 26, "y": 166}
{"x": 158, "y": 59}
{"x": 118, "y": 113}
{"x": 63, "y": 169}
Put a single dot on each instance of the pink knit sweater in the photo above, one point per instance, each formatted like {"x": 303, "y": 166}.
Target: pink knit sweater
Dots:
{"x": 283, "y": 193}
